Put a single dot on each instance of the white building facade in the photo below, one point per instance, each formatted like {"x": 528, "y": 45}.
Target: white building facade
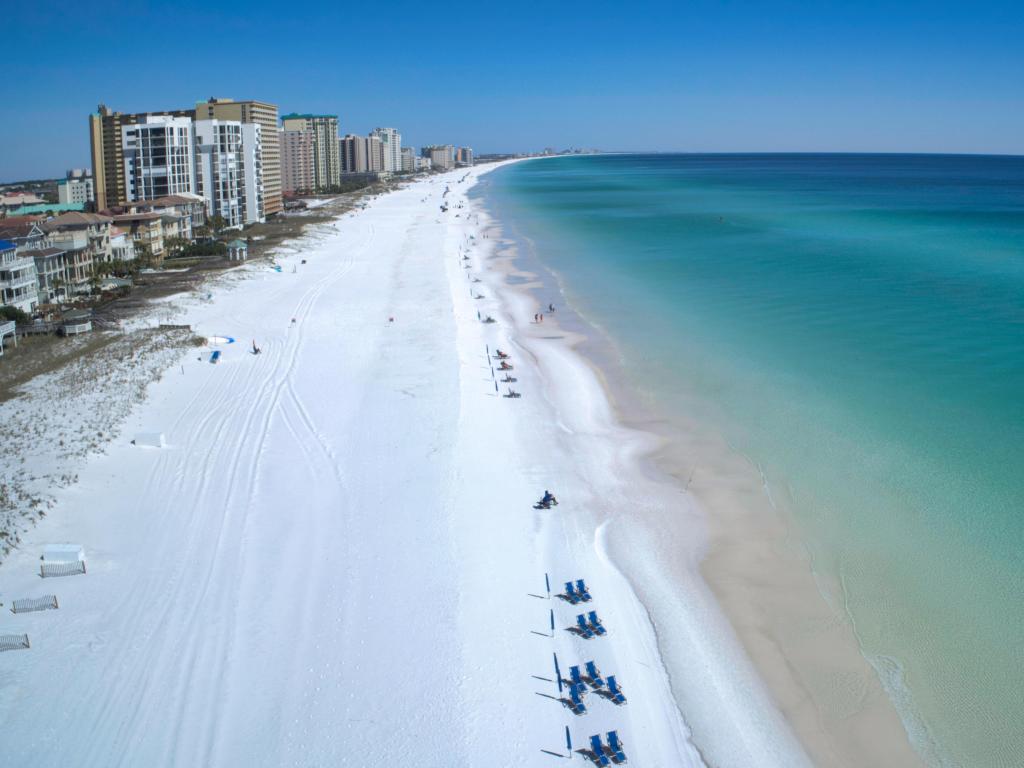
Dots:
{"x": 77, "y": 188}
{"x": 18, "y": 285}
{"x": 158, "y": 157}
{"x": 252, "y": 170}
{"x": 229, "y": 174}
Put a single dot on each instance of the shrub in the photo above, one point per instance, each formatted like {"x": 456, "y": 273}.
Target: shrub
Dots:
{"x": 13, "y": 313}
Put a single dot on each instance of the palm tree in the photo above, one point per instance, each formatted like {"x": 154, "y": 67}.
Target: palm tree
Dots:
{"x": 217, "y": 224}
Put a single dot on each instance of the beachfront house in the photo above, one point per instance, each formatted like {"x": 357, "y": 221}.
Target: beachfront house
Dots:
{"x": 23, "y": 231}
{"x": 122, "y": 246}
{"x": 85, "y": 239}
{"x": 181, "y": 215}
{"x": 18, "y": 286}
{"x": 146, "y": 230}
{"x": 51, "y": 272}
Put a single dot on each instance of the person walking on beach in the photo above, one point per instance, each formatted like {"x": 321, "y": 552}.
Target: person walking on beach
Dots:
{"x": 542, "y": 319}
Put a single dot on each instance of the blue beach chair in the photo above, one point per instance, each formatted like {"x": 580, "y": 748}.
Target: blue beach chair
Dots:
{"x": 570, "y": 593}
{"x": 598, "y": 749}
{"x": 594, "y": 674}
{"x": 581, "y": 590}
{"x": 595, "y": 623}
{"x": 582, "y": 628}
{"x": 618, "y": 756}
{"x": 576, "y": 700}
{"x": 615, "y": 691}
{"x": 575, "y": 678}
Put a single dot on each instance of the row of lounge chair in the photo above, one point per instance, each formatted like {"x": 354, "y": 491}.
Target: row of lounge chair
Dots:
{"x": 577, "y": 593}
{"x": 599, "y": 684}
{"x": 580, "y": 684}
{"x": 600, "y": 752}
{"x": 589, "y": 626}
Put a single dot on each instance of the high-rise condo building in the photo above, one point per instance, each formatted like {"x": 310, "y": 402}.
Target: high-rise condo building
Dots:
{"x": 464, "y": 156}
{"x": 228, "y": 171}
{"x": 326, "y": 160}
{"x": 107, "y": 150}
{"x": 297, "y": 161}
{"x": 352, "y": 150}
{"x": 264, "y": 115}
{"x": 442, "y": 156}
{"x": 375, "y": 154}
{"x": 391, "y": 145}
{"x": 157, "y": 155}
{"x": 361, "y": 154}
{"x": 408, "y": 159}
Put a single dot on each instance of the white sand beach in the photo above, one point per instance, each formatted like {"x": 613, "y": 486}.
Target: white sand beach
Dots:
{"x": 335, "y": 560}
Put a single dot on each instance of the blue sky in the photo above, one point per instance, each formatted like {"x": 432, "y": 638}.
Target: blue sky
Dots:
{"x": 695, "y": 76}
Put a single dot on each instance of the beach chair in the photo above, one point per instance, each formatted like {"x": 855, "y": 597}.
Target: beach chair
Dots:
{"x": 615, "y": 746}
{"x": 595, "y": 623}
{"x": 581, "y": 590}
{"x": 570, "y": 593}
{"x": 600, "y": 758}
{"x": 575, "y": 678}
{"x": 582, "y": 628}
{"x": 576, "y": 700}
{"x": 595, "y": 675}
{"x": 616, "y": 692}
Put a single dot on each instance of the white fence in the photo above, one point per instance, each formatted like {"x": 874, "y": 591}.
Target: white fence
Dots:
{"x": 48, "y": 570}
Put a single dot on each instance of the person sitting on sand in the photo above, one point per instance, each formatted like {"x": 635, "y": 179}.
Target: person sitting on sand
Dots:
{"x": 548, "y": 499}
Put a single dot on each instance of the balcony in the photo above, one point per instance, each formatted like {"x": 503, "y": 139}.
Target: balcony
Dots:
{"x": 22, "y": 281}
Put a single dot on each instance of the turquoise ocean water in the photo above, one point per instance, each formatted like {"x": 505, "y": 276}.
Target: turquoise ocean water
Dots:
{"x": 855, "y": 324}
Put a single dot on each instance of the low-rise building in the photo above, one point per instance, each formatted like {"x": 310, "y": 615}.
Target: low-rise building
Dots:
{"x": 122, "y": 246}
{"x": 76, "y": 188}
{"x": 146, "y": 230}
{"x": 85, "y": 239}
{"x": 51, "y": 273}
{"x": 18, "y": 286}
{"x": 23, "y": 231}
{"x": 182, "y": 215}
{"x": 12, "y": 200}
